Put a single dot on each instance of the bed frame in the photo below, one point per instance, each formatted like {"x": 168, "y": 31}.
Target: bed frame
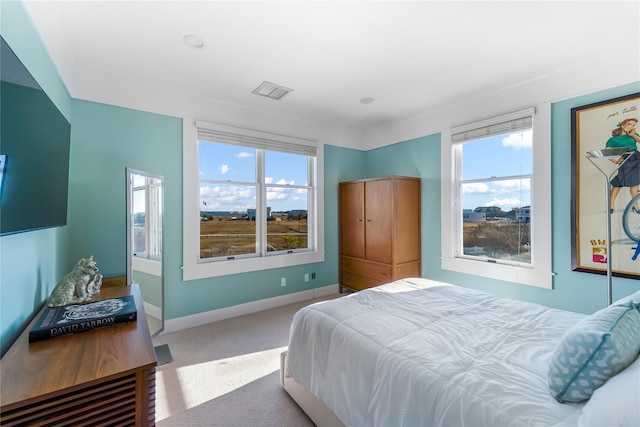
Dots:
{"x": 319, "y": 413}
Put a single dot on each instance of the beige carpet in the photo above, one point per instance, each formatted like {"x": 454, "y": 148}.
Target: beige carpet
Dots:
{"x": 228, "y": 374}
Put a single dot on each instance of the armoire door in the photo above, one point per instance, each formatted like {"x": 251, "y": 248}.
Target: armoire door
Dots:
{"x": 352, "y": 219}
{"x": 407, "y": 234}
{"x": 378, "y": 220}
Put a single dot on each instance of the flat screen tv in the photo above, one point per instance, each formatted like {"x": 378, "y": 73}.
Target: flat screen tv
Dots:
{"x": 34, "y": 152}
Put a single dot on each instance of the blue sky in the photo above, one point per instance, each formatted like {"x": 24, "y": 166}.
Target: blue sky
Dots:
{"x": 498, "y": 156}
{"x": 236, "y": 165}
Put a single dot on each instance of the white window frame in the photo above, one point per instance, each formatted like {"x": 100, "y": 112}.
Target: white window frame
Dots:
{"x": 153, "y": 218}
{"x": 192, "y": 269}
{"x": 262, "y": 188}
{"x": 539, "y": 272}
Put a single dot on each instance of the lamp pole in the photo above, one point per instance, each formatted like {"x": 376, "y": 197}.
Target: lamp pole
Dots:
{"x": 608, "y": 236}
{"x": 608, "y": 153}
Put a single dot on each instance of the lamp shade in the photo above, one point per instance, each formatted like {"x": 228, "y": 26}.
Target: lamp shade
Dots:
{"x": 609, "y": 152}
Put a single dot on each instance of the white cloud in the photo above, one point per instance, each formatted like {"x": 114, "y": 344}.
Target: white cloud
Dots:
{"x": 227, "y": 198}
{"x": 507, "y": 194}
{"x": 506, "y": 204}
{"x": 511, "y": 185}
{"x": 497, "y": 187}
{"x": 518, "y": 140}
{"x": 230, "y": 197}
{"x": 224, "y": 169}
{"x": 271, "y": 180}
{"x": 244, "y": 155}
{"x": 475, "y": 188}
{"x": 277, "y": 195}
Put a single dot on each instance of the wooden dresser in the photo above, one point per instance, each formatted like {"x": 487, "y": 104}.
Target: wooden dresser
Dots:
{"x": 99, "y": 377}
{"x": 380, "y": 237}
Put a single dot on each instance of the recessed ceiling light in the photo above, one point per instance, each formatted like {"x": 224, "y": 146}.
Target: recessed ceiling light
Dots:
{"x": 367, "y": 100}
{"x": 193, "y": 41}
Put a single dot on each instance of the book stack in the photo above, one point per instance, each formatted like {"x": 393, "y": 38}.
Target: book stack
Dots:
{"x": 72, "y": 319}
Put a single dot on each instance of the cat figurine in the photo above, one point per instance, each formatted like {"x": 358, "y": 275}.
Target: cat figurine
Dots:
{"x": 78, "y": 286}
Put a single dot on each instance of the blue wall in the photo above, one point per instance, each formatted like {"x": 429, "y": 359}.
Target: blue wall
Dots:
{"x": 30, "y": 263}
{"x": 575, "y": 291}
{"x": 106, "y": 139}
{"x": 419, "y": 157}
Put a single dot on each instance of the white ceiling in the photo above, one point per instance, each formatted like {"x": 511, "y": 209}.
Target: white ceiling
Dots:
{"x": 410, "y": 56}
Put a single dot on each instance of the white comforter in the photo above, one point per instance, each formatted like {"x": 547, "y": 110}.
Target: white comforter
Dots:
{"x": 421, "y": 353}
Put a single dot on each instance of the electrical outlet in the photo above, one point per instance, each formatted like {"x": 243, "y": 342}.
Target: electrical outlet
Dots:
{"x": 306, "y": 277}
{"x": 283, "y": 281}
{"x": 313, "y": 276}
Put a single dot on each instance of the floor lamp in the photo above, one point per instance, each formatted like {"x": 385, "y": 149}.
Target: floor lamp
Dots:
{"x": 608, "y": 153}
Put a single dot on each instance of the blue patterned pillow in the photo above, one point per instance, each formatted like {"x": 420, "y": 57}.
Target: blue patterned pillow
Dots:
{"x": 635, "y": 298}
{"x": 594, "y": 350}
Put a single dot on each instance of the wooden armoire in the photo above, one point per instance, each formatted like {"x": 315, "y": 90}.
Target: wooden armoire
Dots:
{"x": 379, "y": 231}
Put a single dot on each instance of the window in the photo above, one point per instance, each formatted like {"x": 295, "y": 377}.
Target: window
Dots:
{"x": 494, "y": 193}
{"x": 257, "y": 198}
{"x": 493, "y": 211}
{"x": 238, "y": 204}
{"x": 146, "y": 236}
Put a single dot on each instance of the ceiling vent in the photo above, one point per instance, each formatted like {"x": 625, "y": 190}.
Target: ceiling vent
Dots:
{"x": 271, "y": 90}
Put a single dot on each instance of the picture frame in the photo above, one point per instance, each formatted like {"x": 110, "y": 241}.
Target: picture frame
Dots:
{"x": 593, "y": 127}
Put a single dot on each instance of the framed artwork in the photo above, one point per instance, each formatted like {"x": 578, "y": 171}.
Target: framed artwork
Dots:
{"x": 594, "y": 127}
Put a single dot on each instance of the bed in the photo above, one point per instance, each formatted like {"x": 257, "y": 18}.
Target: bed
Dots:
{"x": 416, "y": 352}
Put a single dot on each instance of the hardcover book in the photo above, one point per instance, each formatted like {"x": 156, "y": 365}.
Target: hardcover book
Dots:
{"x": 72, "y": 319}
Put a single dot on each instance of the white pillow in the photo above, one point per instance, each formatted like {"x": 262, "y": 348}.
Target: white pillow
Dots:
{"x": 616, "y": 403}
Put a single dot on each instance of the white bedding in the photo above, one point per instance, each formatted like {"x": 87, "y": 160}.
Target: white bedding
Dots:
{"x": 421, "y": 353}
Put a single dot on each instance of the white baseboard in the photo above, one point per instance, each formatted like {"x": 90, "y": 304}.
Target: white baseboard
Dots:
{"x": 199, "y": 319}
{"x": 152, "y": 310}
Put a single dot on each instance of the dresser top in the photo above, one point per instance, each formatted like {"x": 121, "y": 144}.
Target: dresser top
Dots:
{"x": 31, "y": 370}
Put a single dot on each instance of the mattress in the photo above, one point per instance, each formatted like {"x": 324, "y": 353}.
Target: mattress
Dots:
{"x": 417, "y": 352}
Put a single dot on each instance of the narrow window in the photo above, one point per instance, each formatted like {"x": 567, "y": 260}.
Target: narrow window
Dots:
{"x": 288, "y": 191}
{"x": 495, "y": 192}
{"x": 496, "y": 188}
{"x": 228, "y": 187}
{"x": 147, "y": 217}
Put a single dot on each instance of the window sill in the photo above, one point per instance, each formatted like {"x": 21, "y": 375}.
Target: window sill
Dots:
{"x": 524, "y": 275}
{"x": 205, "y": 269}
